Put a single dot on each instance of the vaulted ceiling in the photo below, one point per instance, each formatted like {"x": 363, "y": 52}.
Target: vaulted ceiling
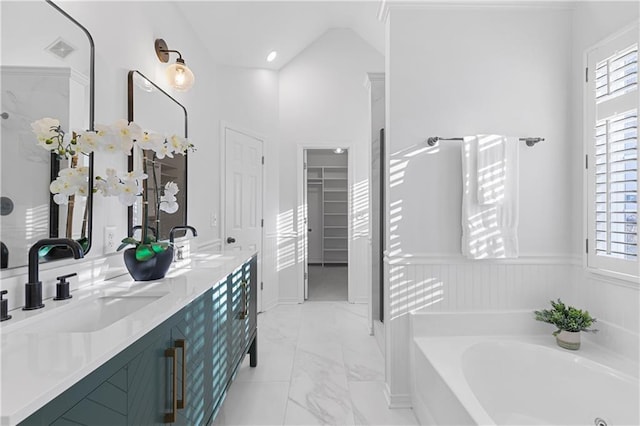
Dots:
{"x": 242, "y": 33}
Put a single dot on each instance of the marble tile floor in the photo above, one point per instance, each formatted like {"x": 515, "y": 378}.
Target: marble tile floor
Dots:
{"x": 317, "y": 364}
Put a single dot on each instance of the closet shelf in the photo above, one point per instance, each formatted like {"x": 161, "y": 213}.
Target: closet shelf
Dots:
{"x": 330, "y": 185}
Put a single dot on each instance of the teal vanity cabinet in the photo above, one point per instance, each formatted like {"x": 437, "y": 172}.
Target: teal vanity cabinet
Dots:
{"x": 235, "y": 322}
{"x": 178, "y": 372}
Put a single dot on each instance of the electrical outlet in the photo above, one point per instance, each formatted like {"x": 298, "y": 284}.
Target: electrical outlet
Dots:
{"x": 110, "y": 243}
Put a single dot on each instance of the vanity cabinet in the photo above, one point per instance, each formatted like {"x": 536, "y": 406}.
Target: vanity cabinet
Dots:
{"x": 178, "y": 372}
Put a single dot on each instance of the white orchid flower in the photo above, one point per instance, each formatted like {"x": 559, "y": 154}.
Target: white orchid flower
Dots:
{"x": 127, "y": 133}
{"x": 105, "y": 135}
{"x": 150, "y": 140}
{"x": 178, "y": 144}
{"x": 169, "y": 206}
{"x": 168, "y": 203}
{"x": 82, "y": 190}
{"x": 171, "y": 188}
{"x": 61, "y": 199}
{"x": 45, "y": 130}
{"x": 128, "y": 192}
{"x": 55, "y": 186}
{"x": 88, "y": 142}
{"x": 164, "y": 151}
{"x": 83, "y": 170}
{"x": 135, "y": 175}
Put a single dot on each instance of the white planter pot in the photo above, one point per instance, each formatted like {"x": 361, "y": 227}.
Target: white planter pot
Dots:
{"x": 568, "y": 339}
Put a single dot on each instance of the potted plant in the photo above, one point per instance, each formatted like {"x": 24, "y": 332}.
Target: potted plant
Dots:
{"x": 570, "y": 322}
{"x": 149, "y": 258}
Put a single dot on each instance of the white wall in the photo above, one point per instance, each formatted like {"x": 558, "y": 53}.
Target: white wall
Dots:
{"x": 323, "y": 102}
{"x": 454, "y": 71}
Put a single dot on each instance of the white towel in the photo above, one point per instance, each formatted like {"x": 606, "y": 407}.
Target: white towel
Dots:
{"x": 489, "y": 231}
{"x": 491, "y": 169}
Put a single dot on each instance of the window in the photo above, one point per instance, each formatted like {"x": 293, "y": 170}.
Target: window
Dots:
{"x": 612, "y": 154}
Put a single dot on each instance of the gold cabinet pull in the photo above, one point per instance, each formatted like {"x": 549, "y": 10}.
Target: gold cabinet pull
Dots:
{"x": 245, "y": 309}
{"x": 171, "y": 417}
{"x": 182, "y": 344}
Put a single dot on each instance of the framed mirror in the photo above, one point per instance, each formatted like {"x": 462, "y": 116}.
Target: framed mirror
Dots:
{"x": 47, "y": 71}
{"x": 154, "y": 110}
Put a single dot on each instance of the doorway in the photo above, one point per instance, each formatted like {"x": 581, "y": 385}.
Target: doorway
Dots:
{"x": 326, "y": 192}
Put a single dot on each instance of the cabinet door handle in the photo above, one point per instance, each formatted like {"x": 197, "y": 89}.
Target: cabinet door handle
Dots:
{"x": 171, "y": 417}
{"x": 244, "y": 312}
{"x": 182, "y": 344}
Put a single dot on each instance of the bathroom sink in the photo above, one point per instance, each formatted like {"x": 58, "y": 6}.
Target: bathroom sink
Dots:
{"x": 98, "y": 313}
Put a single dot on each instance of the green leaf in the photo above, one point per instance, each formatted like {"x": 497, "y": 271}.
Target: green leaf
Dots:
{"x": 159, "y": 247}
{"x": 126, "y": 242}
{"x": 84, "y": 243}
{"x": 43, "y": 251}
{"x": 566, "y": 317}
{"x": 144, "y": 252}
{"x": 121, "y": 246}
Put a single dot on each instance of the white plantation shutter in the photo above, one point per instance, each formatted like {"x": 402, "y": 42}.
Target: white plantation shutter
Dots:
{"x": 612, "y": 150}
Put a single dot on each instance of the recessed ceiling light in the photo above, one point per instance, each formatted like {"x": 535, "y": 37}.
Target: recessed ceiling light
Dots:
{"x": 272, "y": 56}
{"x": 338, "y": 150}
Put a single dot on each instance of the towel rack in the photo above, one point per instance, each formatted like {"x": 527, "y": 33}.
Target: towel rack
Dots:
{"x": 433, "y": 139}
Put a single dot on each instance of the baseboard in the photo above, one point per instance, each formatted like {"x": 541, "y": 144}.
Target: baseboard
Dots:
{"x": 288, "y": 301}
{"x": 397, "y": 400}
{"x": 269, "y": 306}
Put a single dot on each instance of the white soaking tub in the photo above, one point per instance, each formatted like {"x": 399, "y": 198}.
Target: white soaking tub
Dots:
{"x": 526, "y": 380}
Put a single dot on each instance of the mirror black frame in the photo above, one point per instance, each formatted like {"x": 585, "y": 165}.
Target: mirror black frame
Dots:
{"x": 54, "y": 209}
{"x": 130, "y": 118}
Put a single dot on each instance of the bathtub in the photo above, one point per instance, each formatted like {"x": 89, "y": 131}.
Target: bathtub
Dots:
{"x": 519, "y": 380}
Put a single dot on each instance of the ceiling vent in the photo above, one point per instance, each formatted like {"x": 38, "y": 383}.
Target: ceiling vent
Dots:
{"x": 61, "y": 48}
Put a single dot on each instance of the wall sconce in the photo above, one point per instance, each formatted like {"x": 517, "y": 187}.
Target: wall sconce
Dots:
{"x": 179, "y": 75}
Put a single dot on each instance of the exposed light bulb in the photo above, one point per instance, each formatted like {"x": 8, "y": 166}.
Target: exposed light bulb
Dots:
{"x": 338, "y": 150}
{"x": 272, "y": 56}
{"x": 180, "y": 76}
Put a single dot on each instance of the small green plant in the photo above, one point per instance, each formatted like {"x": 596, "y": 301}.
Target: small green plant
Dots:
{"x": 566, "y": 317}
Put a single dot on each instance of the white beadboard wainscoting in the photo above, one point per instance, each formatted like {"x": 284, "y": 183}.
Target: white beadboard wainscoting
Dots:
{"x": 453, "y": 283}
{"x": 616, "y": 305}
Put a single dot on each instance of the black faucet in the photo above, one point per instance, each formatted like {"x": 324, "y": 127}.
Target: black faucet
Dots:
{"x": 179, "y": 227}
{"x": 4, "y": 257}
{"x": 33, "y": 289}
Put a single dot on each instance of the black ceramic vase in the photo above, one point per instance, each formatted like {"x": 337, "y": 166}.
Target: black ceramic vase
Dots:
{"x": 148, "y": 270}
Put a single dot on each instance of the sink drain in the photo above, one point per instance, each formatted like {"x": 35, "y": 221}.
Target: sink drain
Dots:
{"x": 599, "y": 422}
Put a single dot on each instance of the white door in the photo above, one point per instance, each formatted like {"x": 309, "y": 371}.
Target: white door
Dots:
{"x": 243, "y": 195}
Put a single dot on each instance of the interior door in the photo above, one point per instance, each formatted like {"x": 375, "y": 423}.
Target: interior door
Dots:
{"x": 243, "y": 194}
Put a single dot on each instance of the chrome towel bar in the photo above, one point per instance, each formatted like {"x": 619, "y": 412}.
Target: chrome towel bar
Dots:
{"x": 433, "y": 139}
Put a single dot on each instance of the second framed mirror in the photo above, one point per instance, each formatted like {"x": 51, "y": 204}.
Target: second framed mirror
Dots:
{"x": 154, "y": 110}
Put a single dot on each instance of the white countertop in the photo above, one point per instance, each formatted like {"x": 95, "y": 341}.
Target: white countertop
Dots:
{"x": 38, "y": 365}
